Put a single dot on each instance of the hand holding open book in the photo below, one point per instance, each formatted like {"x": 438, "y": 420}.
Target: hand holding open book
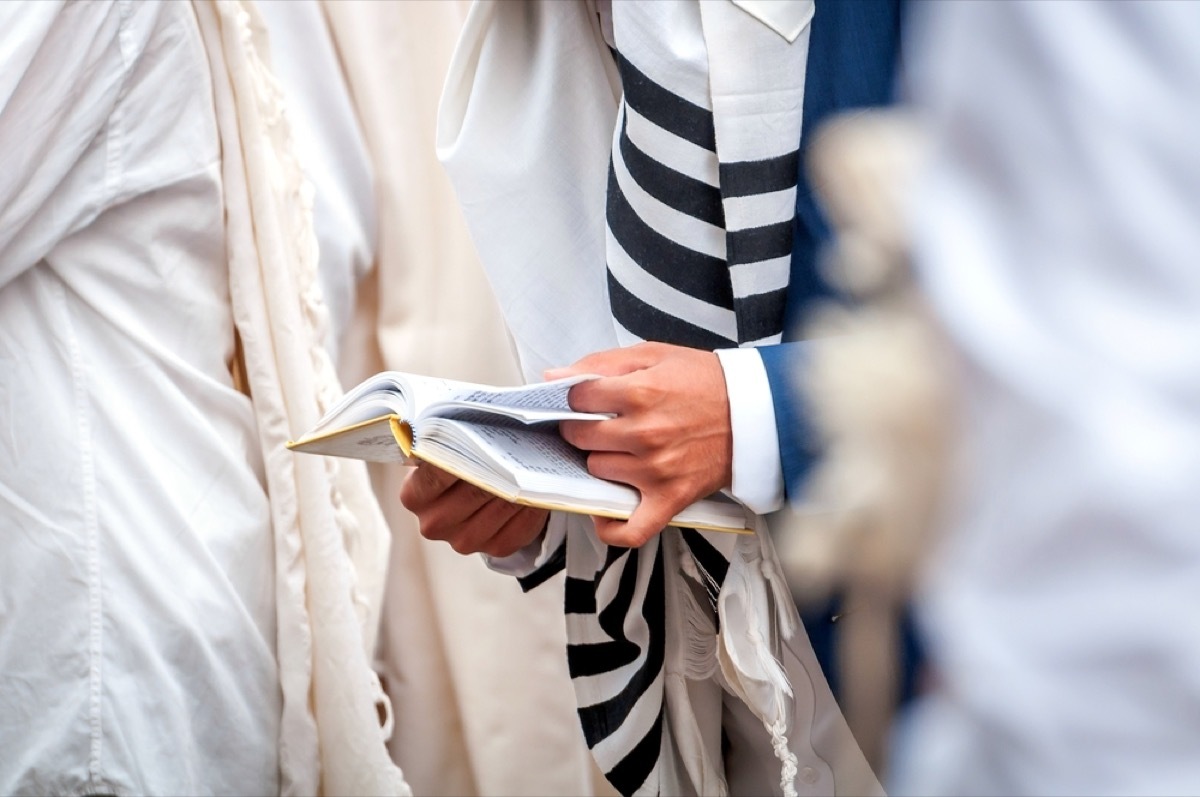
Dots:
{"x": 503, "y": 440}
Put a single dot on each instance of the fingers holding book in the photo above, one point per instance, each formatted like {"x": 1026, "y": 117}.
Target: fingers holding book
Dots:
{"x": 469, "y": 519}
{"x": 671, "y": 439}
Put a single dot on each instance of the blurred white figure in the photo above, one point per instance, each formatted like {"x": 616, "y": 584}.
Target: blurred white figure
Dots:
{"x": 1057, "y": 237}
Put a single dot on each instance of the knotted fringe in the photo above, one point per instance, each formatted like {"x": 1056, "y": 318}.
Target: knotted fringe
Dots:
{"x": 697, "y": 620}
{"x": 756, "y": 616}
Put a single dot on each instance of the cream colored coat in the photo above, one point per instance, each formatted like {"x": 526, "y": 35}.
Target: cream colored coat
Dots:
{"x": 476, "y": 670}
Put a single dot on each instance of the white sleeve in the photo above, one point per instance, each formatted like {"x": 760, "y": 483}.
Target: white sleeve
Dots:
{"x": 757, "y": 471}
{"x": 61, "y": 74}
{"x": 535, "y": 555}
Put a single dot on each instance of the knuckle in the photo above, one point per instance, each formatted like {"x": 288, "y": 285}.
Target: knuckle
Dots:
{"x": 662, "y": 463}
{"x": 461, "y": 544}
{"x": 656, "y": 434}
{"x": 577, "y": 396}
{"x": 598, "y": 464}
{"x": 641, "y": 395}
{"x": 573, "y": 432}
{"x": 411, "y": 495}
{"x": 431, "y": 530}
{"x": 501, "y": 549}
{"x": 532, "y": 518}
{"x": 676, "y": 495}
{"x": 651, "y": 347}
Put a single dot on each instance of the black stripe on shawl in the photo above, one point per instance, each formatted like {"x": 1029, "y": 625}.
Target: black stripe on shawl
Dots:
{"x": 746, "y": 178}
{"x": 550, "y": 568}
{"x": 580, "y": 596}
{"x": 682, "y": 192}
{"x": 612, "y": 616}
{"x": 602, "y": 657}
{"x": 602, "y": 719}
{"x": 665, "y": 108}
{"x": 759, "y": 243}
{"x": 632, "y": 770}
{"x": 581, "y": 592}
{"x": 694, "y": 273}
{"x": 761, "y": 315}
{"x": 650, "y": 323}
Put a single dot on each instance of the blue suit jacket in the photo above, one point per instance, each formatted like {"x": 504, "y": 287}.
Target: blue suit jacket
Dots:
{"x": 852, "y": 61}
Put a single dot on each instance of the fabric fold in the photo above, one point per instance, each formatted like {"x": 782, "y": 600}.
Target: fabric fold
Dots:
{"x": 330, "y": 539}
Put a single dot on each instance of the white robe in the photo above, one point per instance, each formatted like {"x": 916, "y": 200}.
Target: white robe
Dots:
{"x": 166, "y": 628}
{"x": 137, "y": 611}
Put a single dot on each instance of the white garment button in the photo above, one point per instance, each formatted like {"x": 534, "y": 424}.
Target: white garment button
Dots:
{"x": 809, "y": 775}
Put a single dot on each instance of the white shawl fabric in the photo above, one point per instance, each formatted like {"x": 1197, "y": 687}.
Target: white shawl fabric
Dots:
{"x": 330, "y": 539}
{"x": 525, "y": 130}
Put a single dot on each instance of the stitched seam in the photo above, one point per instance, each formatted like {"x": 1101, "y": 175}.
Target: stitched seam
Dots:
{"x": 114, "y": 144}
{"x": 83, "y": 437}
{"x": 115, "y": 138}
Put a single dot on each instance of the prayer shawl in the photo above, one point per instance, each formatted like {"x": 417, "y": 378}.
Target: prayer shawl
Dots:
{"x": 690, "y": 668}
{"x": 330, "y": 540}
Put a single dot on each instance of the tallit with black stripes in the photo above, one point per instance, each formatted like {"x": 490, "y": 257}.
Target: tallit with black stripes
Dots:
{"x": 698, "y": 253}
{"x": 698, "y": 247}
{"x": 643, "y": 187}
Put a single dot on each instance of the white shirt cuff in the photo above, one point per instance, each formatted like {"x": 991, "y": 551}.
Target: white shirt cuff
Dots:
{"x": 757, "y": 471}
{"x": 536, "y": 553}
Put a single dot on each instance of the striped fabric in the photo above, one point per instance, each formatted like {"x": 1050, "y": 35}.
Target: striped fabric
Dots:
{"x": 698, "y": 254}
{"x": 698, "y": 251}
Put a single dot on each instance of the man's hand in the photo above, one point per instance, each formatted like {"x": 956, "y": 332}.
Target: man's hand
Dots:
{"x": 471, "y": 520}
{"x": 671, "y": 438}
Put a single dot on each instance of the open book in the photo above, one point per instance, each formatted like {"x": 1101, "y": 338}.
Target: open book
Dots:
{"x": 502, "y": 440}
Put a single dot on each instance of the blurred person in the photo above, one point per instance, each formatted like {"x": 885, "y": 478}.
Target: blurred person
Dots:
{"x": 1055, "y": 237}
{"x": 684, "y": 652}
{"x": 878, "y": 398}
{"x": 184, "y": 606}
{"x": 468, "y": 720}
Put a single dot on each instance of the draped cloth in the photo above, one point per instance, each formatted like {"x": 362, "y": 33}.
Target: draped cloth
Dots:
{"x": 330, "y": 539}
{"x": 474, "y": 667}
{"x": 690, "y": 669}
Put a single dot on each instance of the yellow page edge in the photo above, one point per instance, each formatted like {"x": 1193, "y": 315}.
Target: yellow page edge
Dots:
{"x": 402, "y": 432}
{"x": 316, "y": 438}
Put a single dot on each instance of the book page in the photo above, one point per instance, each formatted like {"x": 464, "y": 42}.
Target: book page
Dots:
{"x": 372, "y": 441}
{"x": 388, "y": 393}
{"x": 514, "y": 447}
{"x": 412, "y": 396}
{"x": 536, "y": 403}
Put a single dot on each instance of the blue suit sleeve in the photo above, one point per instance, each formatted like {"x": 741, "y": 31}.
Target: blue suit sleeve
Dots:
{"x": 798, "y": 445}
